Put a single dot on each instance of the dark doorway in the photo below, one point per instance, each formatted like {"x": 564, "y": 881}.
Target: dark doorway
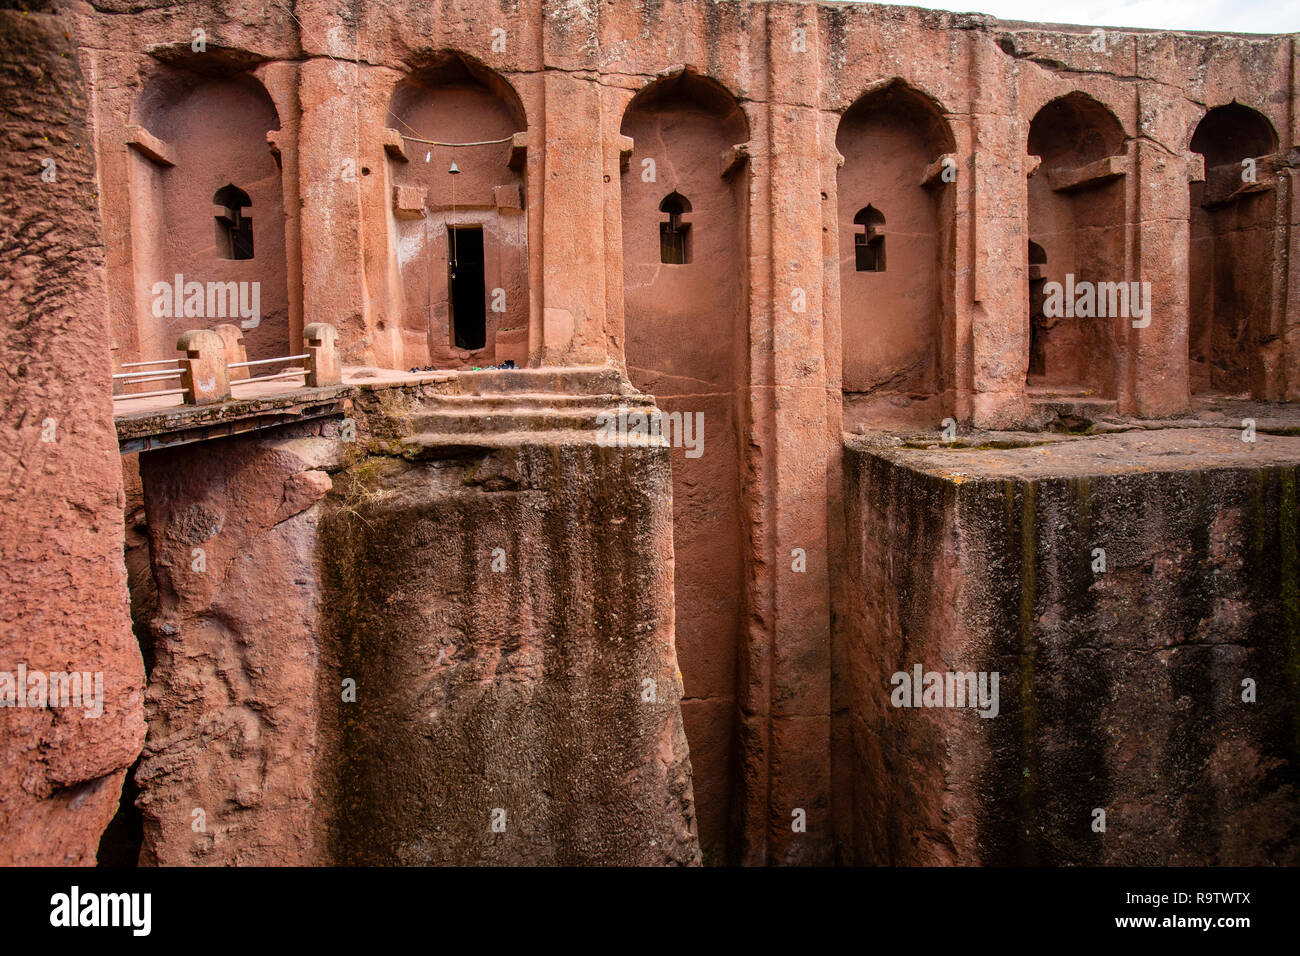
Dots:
{"x": 1038, "y": 324}
{"x": 465, "y": 286}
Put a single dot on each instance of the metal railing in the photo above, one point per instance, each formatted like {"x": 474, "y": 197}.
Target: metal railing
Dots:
{"x": 213, "y": 362}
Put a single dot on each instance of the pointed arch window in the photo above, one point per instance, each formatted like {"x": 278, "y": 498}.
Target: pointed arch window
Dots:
{"x": 869, "y": 240}
{"x": 234, "y": 236}
{"x": 675, "y": 235}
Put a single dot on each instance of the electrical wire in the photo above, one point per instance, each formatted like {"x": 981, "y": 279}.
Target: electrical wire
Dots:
{"x": 434, "y": 142}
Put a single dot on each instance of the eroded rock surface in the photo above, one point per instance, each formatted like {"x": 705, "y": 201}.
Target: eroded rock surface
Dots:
{"x": 1122, "y": 684}
{"x": 404, "y": 643}
{"x": 62, "y": 580}
{"x": 226, "y": 776}
{"x": 505, "y": 607}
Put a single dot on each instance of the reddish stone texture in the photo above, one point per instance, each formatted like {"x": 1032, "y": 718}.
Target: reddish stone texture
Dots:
{"x": 452, "y": 101}
{"x": 898, "y": 351}
{"x": 216, "y": 131}
{"x": 1121, "y": 689}
{"x": 995, "y": 157}
{"x": 345, "y": 143}
{"x": 1235, "y": 342}
{"x": 542, "y": 681}
{"x": 61, "y": 570}
{"x": 1076, "y": 232}
{"x": 901, "y": 796}
{"x": 501, "y": 594}
{"x": 226, "y": 775}
{"x": 682, "y": 131}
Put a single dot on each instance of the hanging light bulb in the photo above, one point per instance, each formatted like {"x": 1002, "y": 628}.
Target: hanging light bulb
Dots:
{"x": 454, "y": 171}
{"x": 427, "y": 155}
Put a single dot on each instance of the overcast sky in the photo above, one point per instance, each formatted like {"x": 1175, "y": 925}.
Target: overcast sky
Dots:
{"x": 1226, "y": 16}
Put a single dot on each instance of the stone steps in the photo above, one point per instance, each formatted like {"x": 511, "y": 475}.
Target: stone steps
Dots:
{"x": 498, "y": 414}
{"x": 426, "y": 445}
{"x": 1073, "y": 412}
{"x": 590, "y": 380}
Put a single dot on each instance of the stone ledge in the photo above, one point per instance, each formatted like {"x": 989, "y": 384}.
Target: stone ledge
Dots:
{"x": 1033, "y": 456}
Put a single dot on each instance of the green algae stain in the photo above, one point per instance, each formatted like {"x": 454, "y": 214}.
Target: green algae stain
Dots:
{"x": 1028, "y": 661}
{"x": 1290, "y": 588}
{"x": 1083, "y": 503}
{"x": 1261, "y": 518}
{"x": 341, "y": 541}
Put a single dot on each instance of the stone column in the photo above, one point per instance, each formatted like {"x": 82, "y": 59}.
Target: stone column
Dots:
{"x": 1291, "y": 248}
{"x": 334, "y": 282}
{"x": 573, "y": 234}
{"x": 64, "y": 608}
{"x": 1158, "y": 366}
{"x": 127, "y": 181}
{"x": 1291, "y": 289}
{"x": 999, "y": 209}
{"x": 786, "y": 693}
{"x": 281, "y": 82}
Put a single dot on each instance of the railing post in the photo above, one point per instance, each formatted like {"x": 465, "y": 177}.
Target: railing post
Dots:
{"x": 233, "y": 336}
{"x": 320, "y": 340}
{"x": 204, "y": 375}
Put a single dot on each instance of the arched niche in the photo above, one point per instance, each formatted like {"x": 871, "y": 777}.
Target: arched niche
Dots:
{"x": 1230, "y": 258}
{"x": 207, "y": 205}
{"x": 461, "y": 237}
{"x": 895, "y": 251}
{"x": 1076, "y": 218}
{"x": 686, "y": 343}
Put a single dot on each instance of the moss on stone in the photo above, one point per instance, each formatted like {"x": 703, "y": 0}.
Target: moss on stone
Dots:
{"x": 1028, "y": 662}
{"x": 1290, "y": 594}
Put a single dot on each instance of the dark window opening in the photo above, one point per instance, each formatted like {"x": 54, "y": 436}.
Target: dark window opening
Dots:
{"x": 869, "y": 253}
{"x": 869, "y": 243}
{"x": 234, "y": 227}
{"x": 675, "y": 235}
{"x": 1037, "y": 321}
{"x": 465, "y": 286}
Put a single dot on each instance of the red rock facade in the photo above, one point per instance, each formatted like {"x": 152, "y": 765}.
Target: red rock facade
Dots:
{"x": 799, "y": 219}
{"x": 64, "y": 608}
